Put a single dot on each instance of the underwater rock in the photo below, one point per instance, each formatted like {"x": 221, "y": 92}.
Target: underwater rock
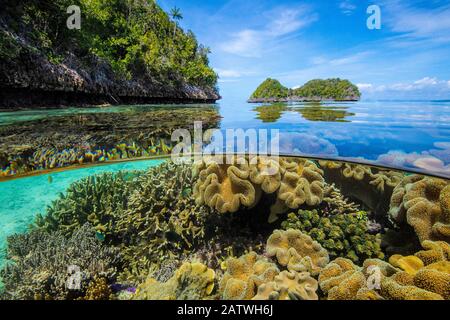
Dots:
{"x": 39, "y": 262}
{"x": 244, "y": 275}
{"x": 418, "y": 201}
{"x": 342, "y": 235}
{"x": 297, "y": 251}
{"x": 192, "y": 281}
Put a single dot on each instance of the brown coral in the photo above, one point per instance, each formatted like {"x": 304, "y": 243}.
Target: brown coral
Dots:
{"x": 225, "y": 187}
{"x": 192, "y": 281}
{"x": 386, "y": 179}
{"x": 297, "y": 251}
{"x": 289, "y": 286}
{"x": 435, "y": 251}
{"x": 302, "y": 183}
{"x": 418, "y": 200}
{"x": 243, "y": 276}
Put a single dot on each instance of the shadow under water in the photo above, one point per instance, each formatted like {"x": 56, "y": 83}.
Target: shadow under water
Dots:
{"x": 254, "y": 228}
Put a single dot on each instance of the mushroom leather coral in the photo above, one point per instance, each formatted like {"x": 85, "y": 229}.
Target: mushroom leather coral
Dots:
{"x": 190, "y": 281}
{"x": 302, "y": 183}
{"x": 435, "y": 251}
{"x": 419, "y": 201}
{"x": 297, "y": 251}
{"x": 289, "y": 286}
{"x": 225, "y": 187}
{"x": 243, "y": 276}
{"x": 265, "y": 172}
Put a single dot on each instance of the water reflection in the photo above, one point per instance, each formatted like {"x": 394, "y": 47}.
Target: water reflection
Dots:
{"x": 309, "y": 111}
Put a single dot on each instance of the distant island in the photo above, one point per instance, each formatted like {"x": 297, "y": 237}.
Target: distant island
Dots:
{"x": 271, "y": 90}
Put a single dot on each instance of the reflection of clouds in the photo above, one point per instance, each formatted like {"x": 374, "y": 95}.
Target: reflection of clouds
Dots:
{"x": 434, "y": 160}
{"x": 303, "y": 143}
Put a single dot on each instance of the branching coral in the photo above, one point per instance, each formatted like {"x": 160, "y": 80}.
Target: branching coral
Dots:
{"x": 343, "y": 235}
{"x": 289, "y": 286}
{"x": 418, "y": 200}
{"x": 336, "y": 203}
{"x": 192, "y": 281}
{"x": 297, "y": 251}
{"x": 162, "y": 218}
{"x": 99, "y": 200}
{"x": 244, "y": 275}
{"x": 41, "y": 261}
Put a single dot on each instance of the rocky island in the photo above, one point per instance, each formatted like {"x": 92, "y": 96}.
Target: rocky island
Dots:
{"x": 271, "y": 90}
{"x": 123, "y": 52}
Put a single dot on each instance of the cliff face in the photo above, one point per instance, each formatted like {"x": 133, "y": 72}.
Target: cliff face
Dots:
{"x": 31, "y": 80}
{"x": 135, "y": 55}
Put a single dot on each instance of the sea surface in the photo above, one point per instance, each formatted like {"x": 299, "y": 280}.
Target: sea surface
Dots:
{"x": 409, "y": 135}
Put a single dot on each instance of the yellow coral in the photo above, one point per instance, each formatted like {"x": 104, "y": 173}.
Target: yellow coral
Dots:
{"x": 297, "y": 251}
{"x": 392, "y": 290}
{"x": 224, "y": 187}
{"x": 384, "y": 179}
{"x": 435, "y": 251}
{"x": 409, "y": 264}
{"x": 243, "y": 275}
{"x": 266, "y": 172}
{"x": 289, "y": 286}
{"x": 355, "y": 171}
{"x": 192, "y": 281}
{"x": 433, "y": 281}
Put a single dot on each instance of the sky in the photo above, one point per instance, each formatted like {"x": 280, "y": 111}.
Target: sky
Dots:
{"x": 296, "y": 41}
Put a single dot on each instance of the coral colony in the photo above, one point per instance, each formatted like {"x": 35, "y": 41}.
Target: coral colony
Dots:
{"x": 314, "y": 230}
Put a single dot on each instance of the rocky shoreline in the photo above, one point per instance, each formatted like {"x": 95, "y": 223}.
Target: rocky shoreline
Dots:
{"x": 32, "y": 81}
{"x": 301, "y": 99}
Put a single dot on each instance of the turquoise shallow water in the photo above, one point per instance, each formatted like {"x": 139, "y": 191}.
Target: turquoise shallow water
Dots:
{"x": 22, "y": 199}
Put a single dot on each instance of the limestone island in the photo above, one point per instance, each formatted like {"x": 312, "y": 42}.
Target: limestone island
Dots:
{"x": 134, "y": 54}
{"x": 271, "y": 90}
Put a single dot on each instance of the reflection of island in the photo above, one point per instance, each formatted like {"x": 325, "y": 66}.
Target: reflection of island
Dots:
{"x": 271, "y": 113}
{"x": 317, "y": 112}
{"x": 310, "y": 112}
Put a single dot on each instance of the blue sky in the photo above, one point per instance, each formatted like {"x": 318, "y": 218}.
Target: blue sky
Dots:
{"x": 296, "y": 41}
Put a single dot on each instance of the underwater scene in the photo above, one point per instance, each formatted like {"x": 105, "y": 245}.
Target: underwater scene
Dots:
{"x": 224, "y": 151}
{"x": 93, "y": 207}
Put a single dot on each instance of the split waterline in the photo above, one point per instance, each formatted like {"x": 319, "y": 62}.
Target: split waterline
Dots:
{"x": 21, "y": 199}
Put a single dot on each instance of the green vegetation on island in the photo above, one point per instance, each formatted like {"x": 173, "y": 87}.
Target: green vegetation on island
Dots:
{"x": 272, "y": 90}
{"x": 121, "y": 43}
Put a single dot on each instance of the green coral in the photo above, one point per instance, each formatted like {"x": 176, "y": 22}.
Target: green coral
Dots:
{"x": 343, "y": 235}
{"x": 99, "y": 200}
{"x": 39, "y": 263}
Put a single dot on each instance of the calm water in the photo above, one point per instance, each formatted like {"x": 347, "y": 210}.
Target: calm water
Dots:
{"x": 401, "y": 134}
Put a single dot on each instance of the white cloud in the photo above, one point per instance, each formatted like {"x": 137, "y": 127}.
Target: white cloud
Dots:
{"x": 421, "y": 84}
{"x": 364, "y": 86}
{"x": 347, "y": 7}
{"x": 250, "y": 42}
{"x": 418, "y": 22}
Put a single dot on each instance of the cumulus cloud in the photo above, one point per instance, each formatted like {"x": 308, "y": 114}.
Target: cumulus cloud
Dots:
{"x": 249, "y": 42}
{"x": 428, "y": 85}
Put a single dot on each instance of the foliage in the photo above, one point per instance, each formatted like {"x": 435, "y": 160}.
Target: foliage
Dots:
{"x": 270, "y": 88}
{"x": 136, "y": 37}
{"x": 335, "y": 89}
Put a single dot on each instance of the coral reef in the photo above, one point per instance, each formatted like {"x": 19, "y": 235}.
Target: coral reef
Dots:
{"x": 418, "y": 202}
{"x": 191, "y": 281}
{"x": 98, "y": 289}
{"x": 99, "y": 200}
{"x": 244, "y": 275}
{"x": 42, "y": 265}
{"x": 225, "y": 187}
{"x": 289, "y": 285}
{"x": 297, "y": 251}
{"x": 342, "y": 235}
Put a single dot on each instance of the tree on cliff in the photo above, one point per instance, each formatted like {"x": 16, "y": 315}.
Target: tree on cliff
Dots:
{"x": 135, "y": 37}
{"x": 270, "y": 89}
{"x": 176, "y": 15}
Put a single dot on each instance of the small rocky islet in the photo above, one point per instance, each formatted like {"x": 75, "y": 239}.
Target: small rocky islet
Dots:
{"x": 317, "y": 90}
{"x": 313, "y": 230}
